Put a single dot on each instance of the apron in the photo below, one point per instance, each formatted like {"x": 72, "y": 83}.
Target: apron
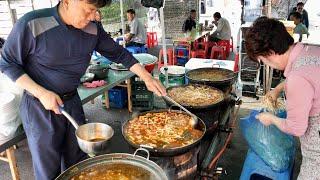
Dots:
{"x": 310, "y": 141}
{"x": 310, "y": 149}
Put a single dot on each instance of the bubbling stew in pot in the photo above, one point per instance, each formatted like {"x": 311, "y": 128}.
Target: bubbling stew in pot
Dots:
{"x": 113, "y": 172}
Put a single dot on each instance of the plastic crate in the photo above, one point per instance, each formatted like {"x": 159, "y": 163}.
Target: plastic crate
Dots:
{"x": 118, "y": 97}
{"x": 138, "y": 104}
{"x": 142, "y": 98}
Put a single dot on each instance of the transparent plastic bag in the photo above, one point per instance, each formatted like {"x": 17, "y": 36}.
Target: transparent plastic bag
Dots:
{"x": 274, "y": 147}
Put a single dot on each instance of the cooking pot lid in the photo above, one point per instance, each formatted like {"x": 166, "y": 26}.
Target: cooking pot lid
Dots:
{"x": 174, "y": 70}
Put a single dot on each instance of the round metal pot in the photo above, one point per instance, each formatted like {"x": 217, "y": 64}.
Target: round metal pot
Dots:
{"x": 156, "y": 173}
{"x": 223, "y": 84}
{"x": 166, "y": 151}
{"x": 176, "y": 75}
{"x": 197, "y": 107}
{"x": 99, "y": 71}
{"x": 93, "y": 138}
{"x": 209, "y": 113}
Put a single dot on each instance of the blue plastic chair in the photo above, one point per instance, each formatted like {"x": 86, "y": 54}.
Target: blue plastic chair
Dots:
{"x": 134, "y": 49}
{"x": 255, "y": 165}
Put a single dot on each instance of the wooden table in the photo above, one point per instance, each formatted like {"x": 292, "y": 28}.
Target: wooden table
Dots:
{"x": 86, "y": 94}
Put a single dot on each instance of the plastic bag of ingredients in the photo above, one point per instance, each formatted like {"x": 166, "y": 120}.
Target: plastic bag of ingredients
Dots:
{"x": 274, "y": 147}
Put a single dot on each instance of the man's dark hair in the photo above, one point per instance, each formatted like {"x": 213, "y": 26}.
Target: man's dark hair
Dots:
{"x": 193, "y": 11}
{"x": 131, "y": 11}
{"x": 267, "y": 35}
{"x": 217, "y": 15}
{"x": 99, "y": 3}
{"x": 300, "y": 4}
{"x": 297, "y": 15}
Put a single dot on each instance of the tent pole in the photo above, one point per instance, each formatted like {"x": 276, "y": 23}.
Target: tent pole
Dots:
{"x": 164, "y": 45}
{"x": 122, "y": 22}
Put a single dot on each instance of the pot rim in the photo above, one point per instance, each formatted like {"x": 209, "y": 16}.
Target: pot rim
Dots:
{"x": 119, "y": 158}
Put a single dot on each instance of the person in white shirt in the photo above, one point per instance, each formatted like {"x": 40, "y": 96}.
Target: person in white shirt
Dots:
{"x": 137, "y": 35}
{"x": 223, "y": 31}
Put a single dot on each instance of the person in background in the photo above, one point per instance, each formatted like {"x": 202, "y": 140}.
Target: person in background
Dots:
{"x": 223, "y": 31}
{"x": 267, "y": 40}
{"x": 190, "y": 23}
{"x": 46, "y": 53}
{"x": 137, "y": 35}
{"x": 300, "y": 9}
{"x": 300, "y": 28}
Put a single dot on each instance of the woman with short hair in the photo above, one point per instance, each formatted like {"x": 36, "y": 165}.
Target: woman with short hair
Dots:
{"x": 268, "y": 41}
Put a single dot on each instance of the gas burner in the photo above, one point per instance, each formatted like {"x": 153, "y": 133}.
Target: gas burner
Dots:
{"x": 179, "y": 167}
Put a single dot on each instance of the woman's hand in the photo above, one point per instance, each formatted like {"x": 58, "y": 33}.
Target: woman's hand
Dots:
{"x": 50, "y": 101}
{"x": 266, "y": 119}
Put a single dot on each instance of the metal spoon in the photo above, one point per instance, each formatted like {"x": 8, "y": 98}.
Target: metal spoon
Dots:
{"x": 69, "y": 117}
{"x": 194, "y": 120}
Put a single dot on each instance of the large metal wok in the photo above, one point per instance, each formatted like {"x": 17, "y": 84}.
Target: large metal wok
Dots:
{"x": 193, "y": 108}
{"x": 208, "y": 113}
{"x": 156, "y": 173}
{"x": 224, "y": 83}
{"x": 166, "y": 151}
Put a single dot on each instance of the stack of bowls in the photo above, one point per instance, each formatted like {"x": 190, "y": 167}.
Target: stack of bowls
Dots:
{"x": 9, "y": 115}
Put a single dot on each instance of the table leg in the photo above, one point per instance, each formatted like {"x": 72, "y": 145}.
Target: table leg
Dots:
{"x": 106, "y": 99}
{"x": 13, "y": 163}
{"x": 129, "y": 95}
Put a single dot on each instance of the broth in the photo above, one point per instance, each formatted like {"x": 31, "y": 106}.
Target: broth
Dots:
{"x": 97, "y": 139}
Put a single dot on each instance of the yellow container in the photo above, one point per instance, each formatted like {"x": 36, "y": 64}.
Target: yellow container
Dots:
{"x": 289, "y": 26}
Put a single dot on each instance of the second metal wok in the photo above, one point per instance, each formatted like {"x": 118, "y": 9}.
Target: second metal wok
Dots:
{"x": 166, "y": 151}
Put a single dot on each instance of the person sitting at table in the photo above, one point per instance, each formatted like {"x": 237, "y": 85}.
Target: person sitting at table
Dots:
{"x": 300, "y": 27}
{"x": 137, "y": 35}
{"x": 223, "y": 31}
{"x": 190, "y": 22}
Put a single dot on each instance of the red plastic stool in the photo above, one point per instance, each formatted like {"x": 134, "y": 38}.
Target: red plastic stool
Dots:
{"x": 169, "y": 55}
{"x": 218, "y": 52}
{"x": 152, "y": 39}
{"x": 201, "y": 53}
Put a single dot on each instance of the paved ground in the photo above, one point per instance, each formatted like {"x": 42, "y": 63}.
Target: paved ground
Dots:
{"x": 232, "y": 160}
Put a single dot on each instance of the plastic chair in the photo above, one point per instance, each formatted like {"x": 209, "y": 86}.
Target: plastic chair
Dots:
{"x": 226, "y": 44}
{"x": 134, "y": 49}
{"x": 152, "y": 39}
{"x": 169, "y": 55}
{"x": 201, "y": 53}
{"x": 254, "y": 165}
{"x": 218, "y": 52}
{"x": 236, "y": 63}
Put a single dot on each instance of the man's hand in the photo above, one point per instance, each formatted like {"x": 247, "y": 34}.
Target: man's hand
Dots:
{"x": 50, "y": 101}
{"x": 266, "y": 119}
{"x": 152, "y": 84}
{"x": 155, "y": 86}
